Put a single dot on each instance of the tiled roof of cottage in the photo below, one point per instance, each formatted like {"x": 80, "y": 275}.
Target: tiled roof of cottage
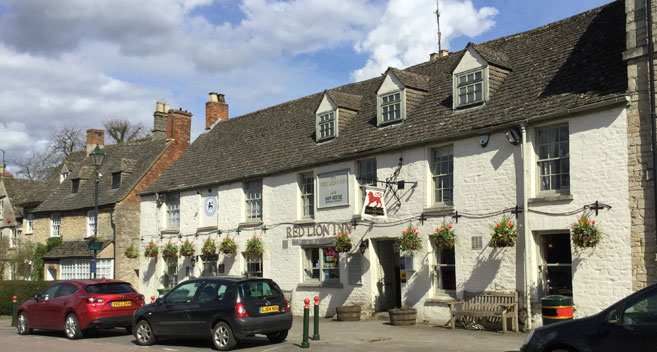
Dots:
{"x": 556, "y": 67}
{"x": 20, "y": 190}
{"x": 492, "y": 56}
{"x": 344, "y": 100}
{"x": 133, "y": 159}
{"x": 72, "y": 249}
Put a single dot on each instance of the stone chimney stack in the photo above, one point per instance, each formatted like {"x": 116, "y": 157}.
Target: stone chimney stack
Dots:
{"x": 160, "y": 120}
{"x": 179, "y": 125}
{"x": 435, "y": 56}
{"x": 95, "y": 138}
{"x": 215, "y": 109}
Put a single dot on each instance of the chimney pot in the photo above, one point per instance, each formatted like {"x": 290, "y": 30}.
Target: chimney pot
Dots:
{"x": 215, "y": 109}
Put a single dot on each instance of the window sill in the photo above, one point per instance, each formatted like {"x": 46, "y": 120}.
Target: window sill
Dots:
{"x": 253, "y": 223}
{"x": 444, "y": 298}
{"x": 321, "y": 285}
{"x": 305, "y": 222}
{"x": 382, "y": 124}
{"x": 207, "y": 229}
{"x": 552, "y": 198}
{"x": 439, "y": 210}
{"x": 169, "y": 231}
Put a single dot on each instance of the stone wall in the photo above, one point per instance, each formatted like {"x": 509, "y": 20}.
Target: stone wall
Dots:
{"x": 73, "y": 225}
{"x": 641, "y": 170}
{"x": 126, "y": 221}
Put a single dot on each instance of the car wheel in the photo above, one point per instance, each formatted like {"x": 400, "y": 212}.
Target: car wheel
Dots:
{"x": 72, "y": 327}
{"x": 22, "y": 325}
{"x": 222, "y": 337}
{"x": 144, "y": 333}
{"x": 277, "y": 337}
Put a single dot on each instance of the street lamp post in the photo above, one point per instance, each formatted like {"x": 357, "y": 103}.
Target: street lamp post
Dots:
{"x": 96, "y": 157}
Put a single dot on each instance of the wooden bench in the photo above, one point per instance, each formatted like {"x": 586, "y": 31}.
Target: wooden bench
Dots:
{"x": 487, "y": 304}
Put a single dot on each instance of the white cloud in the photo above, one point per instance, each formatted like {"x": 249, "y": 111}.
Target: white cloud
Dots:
{"x": 402, "y": 37}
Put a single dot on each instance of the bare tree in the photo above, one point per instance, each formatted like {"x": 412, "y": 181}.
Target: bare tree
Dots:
{"x": 121, "y": 130}
{"x": 36, "y": 165}
{"x": 66, "y": 140}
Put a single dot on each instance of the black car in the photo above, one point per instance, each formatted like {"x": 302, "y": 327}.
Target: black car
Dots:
{"x": 224, "y": 309}
{"x": 628, "y": 325}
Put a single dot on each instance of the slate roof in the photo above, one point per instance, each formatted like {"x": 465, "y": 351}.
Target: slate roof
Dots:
{"x": 492, "y": 56}
{"x": 133, "y": 159}
{"x": 73, "y": 249}
{"x": 344, "y": 100}
{"x": 19, "y": 190}
{"x": 563, "y": 65}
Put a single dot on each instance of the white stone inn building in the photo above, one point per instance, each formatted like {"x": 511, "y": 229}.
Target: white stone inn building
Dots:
{"x": 541, "y": 120}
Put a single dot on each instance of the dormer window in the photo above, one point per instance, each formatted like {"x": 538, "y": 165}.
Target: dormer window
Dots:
{"x": 326, "y": 125}
{"x": 116, "y": 179}
{"x": 470, "y": 88}
{"x": 391, "y": 107}
{"x": 63, "y": 176}
{"x": 75, "y": 185}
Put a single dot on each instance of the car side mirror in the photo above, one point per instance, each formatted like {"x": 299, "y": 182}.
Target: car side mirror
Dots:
{"x": 159, "y": 301}
{"x": 37, "y": 297}
{"x": 612, "y": 318}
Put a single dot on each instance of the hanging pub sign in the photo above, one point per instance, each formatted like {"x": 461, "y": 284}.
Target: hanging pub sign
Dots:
{"x": 333, "y": 189}
{"x": 374, "y": 205}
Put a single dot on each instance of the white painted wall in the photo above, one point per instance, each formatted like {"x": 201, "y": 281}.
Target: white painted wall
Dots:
{"x": 486, "y": 180}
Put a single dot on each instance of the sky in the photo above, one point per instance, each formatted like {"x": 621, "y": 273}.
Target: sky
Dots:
{"x": 80, "y": 63}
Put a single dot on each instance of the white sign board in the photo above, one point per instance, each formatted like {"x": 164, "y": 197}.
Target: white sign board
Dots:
{"x": 374, "y": 205}
{"x": 333, "y": 189}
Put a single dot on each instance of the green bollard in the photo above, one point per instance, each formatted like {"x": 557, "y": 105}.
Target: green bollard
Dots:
{"x": 306, "y": 313}
{"x": 13, "y": 311}
{"x": 316, "y": 321}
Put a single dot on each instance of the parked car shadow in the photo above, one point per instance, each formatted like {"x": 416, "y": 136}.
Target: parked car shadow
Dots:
{"x": 249, "y": 342}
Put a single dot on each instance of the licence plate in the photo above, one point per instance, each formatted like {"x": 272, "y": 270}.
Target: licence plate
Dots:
{"x": 121, "y": 304}
{"x": 268, "y": 309}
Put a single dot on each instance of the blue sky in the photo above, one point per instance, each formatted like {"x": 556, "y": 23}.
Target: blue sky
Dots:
{"x": 75, "y": 62}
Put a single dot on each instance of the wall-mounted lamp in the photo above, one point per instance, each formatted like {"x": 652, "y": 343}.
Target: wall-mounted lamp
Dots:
{"x": 395, "y": 246}
{"x": 363, "y": 245}
{"x": 513, "y": 136}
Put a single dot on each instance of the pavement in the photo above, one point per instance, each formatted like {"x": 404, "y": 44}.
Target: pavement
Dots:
{"x": 364, "y": 335}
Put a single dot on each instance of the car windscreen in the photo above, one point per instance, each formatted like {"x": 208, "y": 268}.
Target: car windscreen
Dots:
{"x": 110, "y": 288}
{"x": 260, "y": 289}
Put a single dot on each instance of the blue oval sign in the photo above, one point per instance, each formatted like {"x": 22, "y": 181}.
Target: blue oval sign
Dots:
{"x": 210, "y": 205}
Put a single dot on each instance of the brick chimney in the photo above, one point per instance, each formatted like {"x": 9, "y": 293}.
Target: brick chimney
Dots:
{"x": 215, "y": 109}
{"x": 179, "y": 124}
{"x": 160, "y": 120}
{"x": 95, "y": 138}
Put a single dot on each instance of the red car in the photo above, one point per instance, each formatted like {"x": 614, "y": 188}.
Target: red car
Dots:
{"x": 78, "y": 305}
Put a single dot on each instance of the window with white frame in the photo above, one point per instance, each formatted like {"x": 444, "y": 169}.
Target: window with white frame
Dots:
{"x": 73, "y": 269}
{"x": 13, "y": 238}
{"x": 12, "y": 271}
{"x": 253, "y": 265}
{"x": 326, "y": 125}
{"x": 29, "y": 223}
{"x": 55, "y": 225}
{"x": 91, "y": 223}
{"x": 322, "y": 264}
{"x": 173, "y": 210}
{"x": 442, "y": 169}
{"x": 553, "y": 159}
{"x": 307, "y": 185}
{"x": 391, "y": 107}
{"x": 445, "y": 275}
{"x": 209, "y": 267}
{"x": 366, "y": 176}
{"x": 170, "y": 277}
{"x": 253, "y": 196}
{"x": 63, "y": 176}
{"x": 470, "y": 88}
{"x": 2, "y": 206}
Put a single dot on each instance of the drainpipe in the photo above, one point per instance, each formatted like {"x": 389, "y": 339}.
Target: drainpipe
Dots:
{"x": 526, "y": 234}
{"x": 653, "y": 116}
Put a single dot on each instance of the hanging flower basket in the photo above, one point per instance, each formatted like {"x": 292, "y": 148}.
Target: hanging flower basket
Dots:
{"x": 228, "y": 246}
{"x": 131, "y": 252}
{"x": 209, "y": 249}
{"x": 187, "y": 249}
{"x": 409, "y": 241}
{"x": 444, "y": 237}
{"x": 254, "y": 246}
{"x": 584, "y": 233}
{"x": 342, "y": 242}
{"x": 170, "y": 250}
{"x": 504, "y": 234}
{"x": 151, "y": 250}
